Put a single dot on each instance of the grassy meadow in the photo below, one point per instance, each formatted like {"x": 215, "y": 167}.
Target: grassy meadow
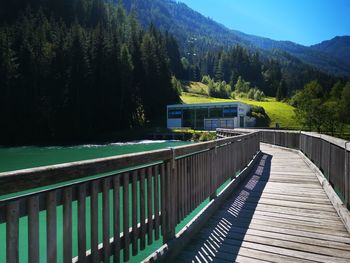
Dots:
{"x": 279, "y": 112}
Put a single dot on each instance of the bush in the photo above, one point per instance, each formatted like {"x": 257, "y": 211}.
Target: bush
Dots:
{"x": 219, "y": 89}
{"x": 259, "y": 95}
{"x": 203, "y": 136}
{"x": 262, "y": 119}
{"x": 206, "y": 79}
{"x": 207, "y": 136}
{"x": 251, "y": 94}
{"x": 242, "y": 85}
{"x": 177, "y": 85}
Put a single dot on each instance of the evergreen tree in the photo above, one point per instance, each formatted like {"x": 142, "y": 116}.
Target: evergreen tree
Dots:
{"x": 74, "y": 69}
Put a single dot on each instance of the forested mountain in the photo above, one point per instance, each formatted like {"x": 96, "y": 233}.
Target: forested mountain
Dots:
{"x": 316, "y": 57}
{"x": 76, "y": 69}
{"x": 72, "y": 69}
{"x": 338, "y": 47}
{"x": 187, "y": 24}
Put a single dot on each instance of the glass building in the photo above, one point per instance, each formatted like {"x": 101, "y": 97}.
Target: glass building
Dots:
{"x": 208, "y": 116}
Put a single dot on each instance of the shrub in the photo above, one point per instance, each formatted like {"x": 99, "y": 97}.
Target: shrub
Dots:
{"x": 206, "y": 79}
{"x": 251, "y": 94}
{"x": 262, "y": 119}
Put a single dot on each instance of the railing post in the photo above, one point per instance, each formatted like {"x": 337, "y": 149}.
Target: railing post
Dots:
{"x": 12, "y": 232}
{"x": 346, "y": 178}
{"x": 170, "y": 196}
{"x": 329, "y": 161}
{"x": 234, "y": 163}
{"x": 213, "y": 171}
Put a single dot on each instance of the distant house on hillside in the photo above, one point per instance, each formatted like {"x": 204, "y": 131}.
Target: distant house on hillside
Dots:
{"x": 209, "y": 116}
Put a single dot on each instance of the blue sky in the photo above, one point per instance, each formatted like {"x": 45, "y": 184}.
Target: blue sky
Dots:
{"x": 305, "y": 22}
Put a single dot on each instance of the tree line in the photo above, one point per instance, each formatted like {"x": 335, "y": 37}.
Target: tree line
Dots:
{"x": 231, "y": 65}
{"x": 76, "y": 69}
{"x": 322, "y": 110}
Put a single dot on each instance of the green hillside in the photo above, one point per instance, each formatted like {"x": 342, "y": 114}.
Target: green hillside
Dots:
{"x": 279, "y": 112}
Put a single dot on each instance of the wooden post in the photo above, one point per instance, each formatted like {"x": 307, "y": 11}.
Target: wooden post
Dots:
{"x": 134, "y": 213}
{"x": 329, "y": 160}
{"x": 67, "y": 225}
{"x": 51, "y": 232}
{"x": 169, "y": 214}
{"x": 82, "y": 223}
{"x": 126, "y": 181}
{"x": 346, "y": 178}
{"x": 94, "y": 220}
{"x": 33, "y": 229}
{"x": 173, "y": 193}
{"x": 12, "y": 232}
{"x": 116, "y": 218}
{"x": 105, "y": 219}
{"x": 213, "y": 171}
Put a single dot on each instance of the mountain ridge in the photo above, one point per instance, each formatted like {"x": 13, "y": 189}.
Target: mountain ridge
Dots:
{"x": 177, "y": 18}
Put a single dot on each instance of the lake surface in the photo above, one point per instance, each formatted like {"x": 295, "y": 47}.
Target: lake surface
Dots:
{"x": 16, "y": 158}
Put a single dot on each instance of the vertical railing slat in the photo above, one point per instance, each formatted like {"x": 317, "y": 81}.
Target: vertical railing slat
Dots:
{"x": 105, "y": 219}
{"x": 162, "y": 198}
{"x": 82, "y": 223}
{"x": 116, "y": 217}
{"x": 12, "y": 232}
{"x": 142, "y": 210}
{"x": 185, "y": 187}
{"x": 134, "y": 214}
{"x": 156, "y": 201}
{"x": 126, "y": 215}
{"x": 67, "y": 225}
{"x": 33, "y": 229}
{"x": 94, "y": 221}
{"x": 51, "y": 226}
{"x": 149, "y": 206}
{"x": 347, "y": 176}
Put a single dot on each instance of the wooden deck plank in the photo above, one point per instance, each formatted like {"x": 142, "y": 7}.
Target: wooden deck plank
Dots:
{"x": 280, "y": 214}
{"x": 273, "y": 247}
{"x": 300, "y": 217}
{"x": 225, "y": 249}
{"x": 290, "y": 237}
{"x": 272, "y": 240}
{"x": 324, "y": 225}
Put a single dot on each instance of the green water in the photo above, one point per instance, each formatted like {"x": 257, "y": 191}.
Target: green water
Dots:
{"x": 28, "y": 157}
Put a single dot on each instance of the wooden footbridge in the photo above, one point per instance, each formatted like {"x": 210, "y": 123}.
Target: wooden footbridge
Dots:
{"x": 268, "y": 196}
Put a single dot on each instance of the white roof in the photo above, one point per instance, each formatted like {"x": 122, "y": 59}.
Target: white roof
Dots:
{"x": 215, "y": 104}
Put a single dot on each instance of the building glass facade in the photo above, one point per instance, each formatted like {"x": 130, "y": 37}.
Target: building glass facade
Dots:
{"x": 207, "y": 116}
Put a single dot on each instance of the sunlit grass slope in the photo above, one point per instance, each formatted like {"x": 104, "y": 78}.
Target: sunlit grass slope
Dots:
{"x": 279, "y": 112}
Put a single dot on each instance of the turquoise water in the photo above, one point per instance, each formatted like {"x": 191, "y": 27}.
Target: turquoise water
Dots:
{"x": 30, "y": 156}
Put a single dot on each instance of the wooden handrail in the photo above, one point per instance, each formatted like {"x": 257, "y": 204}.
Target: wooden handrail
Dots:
{"x": 21, "y": 180}
{"x": 156, "y": 190}
{"x": 331, "y": 155}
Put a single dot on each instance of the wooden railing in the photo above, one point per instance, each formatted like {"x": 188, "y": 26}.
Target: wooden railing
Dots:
{"x": 141, "y": 197}
{"x": 331, "y": 155}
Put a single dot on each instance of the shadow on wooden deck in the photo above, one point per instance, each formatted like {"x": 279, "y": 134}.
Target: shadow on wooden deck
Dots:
{"x": 220, "y": 240}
